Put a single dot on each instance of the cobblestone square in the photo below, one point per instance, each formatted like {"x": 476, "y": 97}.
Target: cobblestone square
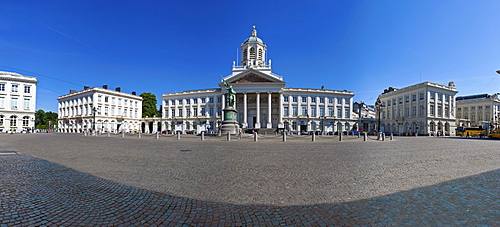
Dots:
{"x": 75, "y": 180}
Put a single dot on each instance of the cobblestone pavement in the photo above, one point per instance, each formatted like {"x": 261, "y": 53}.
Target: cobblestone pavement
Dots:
{"x": 68, "y": 180}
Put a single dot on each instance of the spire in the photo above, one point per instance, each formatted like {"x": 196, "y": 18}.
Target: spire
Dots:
{"x": 254, "y": 32}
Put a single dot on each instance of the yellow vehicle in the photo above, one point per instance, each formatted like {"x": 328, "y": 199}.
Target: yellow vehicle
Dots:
{"x": 495, "y": 134}
{"x": 469, "y": 131}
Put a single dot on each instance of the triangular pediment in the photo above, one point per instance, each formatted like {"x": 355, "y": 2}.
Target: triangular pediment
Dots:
{"x": 252, "y": 78}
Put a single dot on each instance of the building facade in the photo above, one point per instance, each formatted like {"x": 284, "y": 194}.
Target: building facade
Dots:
{"x": 425, "y": 108}
{"x": 262, "y": 101}
{"x": 17, "y": 102}
{"x": 478, "y": 110}
{"x": 99, "y": 109}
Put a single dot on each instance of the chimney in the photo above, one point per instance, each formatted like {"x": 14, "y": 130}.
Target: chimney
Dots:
{"x": 86, "y": 87}
{"x": 105, "y": 86}
{"x": 134, "y": 93}
{"x": 72, "y": 91}
{"x": 118, "y": 89}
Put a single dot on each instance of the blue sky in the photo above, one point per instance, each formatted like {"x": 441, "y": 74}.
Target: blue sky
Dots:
{"x": 362, "y": 46}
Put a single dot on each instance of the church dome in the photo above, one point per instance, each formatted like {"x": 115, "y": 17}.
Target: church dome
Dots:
{"x": 253, "y": 38}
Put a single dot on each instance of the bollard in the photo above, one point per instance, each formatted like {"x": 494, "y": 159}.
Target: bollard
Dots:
{"x": 383, "y": 136}
{"x": 202, "y": 135}
{"x": 284, "y": 136}
{"x": 365, "y": 137}
{"x": 108, "y": 134}
{"x": 340, "y": 136}
{"x": 85, "y": 133}
{"x": 123, "y": 134}
{"x": 255, "y": 136}
{"x": 219, "y": 133}
{"x": 352, "y": 134}
{"x": 359, "y": 134}
{"x": 157, "y": 135}
{"x": 391, "y": 137}
{"x": 178, "y": 135}
{"x": 314, "y": 137}
{"x": 228, "y": 136}
{"x": 139, "y": 135}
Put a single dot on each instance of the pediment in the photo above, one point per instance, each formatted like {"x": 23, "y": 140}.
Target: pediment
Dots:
{"x": 251, "y": 78}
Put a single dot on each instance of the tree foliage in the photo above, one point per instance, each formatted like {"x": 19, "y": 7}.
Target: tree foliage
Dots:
{"x": 45, "y": 120}
{"x": 148, "y": 104}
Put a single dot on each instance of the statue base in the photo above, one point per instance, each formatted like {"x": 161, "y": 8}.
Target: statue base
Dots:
{"x": 229, "y": 124}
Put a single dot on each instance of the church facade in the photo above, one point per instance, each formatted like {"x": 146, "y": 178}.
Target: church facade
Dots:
{"x": 262, "y": 101}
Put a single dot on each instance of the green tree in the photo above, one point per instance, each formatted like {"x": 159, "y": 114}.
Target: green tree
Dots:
{"x": 40, "y": 118}
{"x": 148, "y": 104}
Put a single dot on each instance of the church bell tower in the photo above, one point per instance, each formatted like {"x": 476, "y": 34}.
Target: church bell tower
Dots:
{"x": 253, "y": 51}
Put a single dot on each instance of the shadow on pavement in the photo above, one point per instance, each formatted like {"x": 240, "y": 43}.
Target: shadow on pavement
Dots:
{"x": 37, "y": 192}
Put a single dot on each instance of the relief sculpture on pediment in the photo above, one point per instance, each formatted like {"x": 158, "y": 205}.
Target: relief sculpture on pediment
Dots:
{"x": 251, "y": 78}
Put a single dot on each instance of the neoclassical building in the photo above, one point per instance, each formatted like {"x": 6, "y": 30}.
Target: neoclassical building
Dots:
{"x": 424, "y": 108}
{"x": 99, "y": 109}
{"x": 262, "y": 101}
{"x": 17, "y": 102}
{"x": 478, "y": 110}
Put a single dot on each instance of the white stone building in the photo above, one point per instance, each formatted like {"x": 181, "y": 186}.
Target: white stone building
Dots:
{"x": 424, "y": 108}
{"x": 17, "y": 102}
{"x": 111, "y": 110}
{"x": 262, "y": 101}
{"x": 478, "y": 110}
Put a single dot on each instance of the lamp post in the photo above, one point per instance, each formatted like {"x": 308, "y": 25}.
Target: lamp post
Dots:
{"x": 93, "y": 122}
{"x": 379, "y": 106}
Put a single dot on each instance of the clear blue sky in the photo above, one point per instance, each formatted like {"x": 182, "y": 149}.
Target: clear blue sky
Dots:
{"x": 362, "y": 46}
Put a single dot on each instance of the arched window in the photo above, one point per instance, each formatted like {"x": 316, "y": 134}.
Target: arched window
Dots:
{"x": 13, "y": 121}
{"x": 260, "y": 54}
{"x": 26, "y": 121}
{"x": 244, "y": 54}
{"x": 252, "y": 53}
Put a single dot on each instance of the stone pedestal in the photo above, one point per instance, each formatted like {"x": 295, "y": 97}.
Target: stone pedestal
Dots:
{"x": 229, "y": 124}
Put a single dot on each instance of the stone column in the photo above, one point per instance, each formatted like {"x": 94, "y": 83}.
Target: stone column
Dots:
{"x": 245, "y": 111}
{"x": 269, "y": 119}
{"x": 290, "y": 108}
{"x": 257, "y": 123}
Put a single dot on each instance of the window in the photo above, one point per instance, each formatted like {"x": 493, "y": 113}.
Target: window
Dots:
{"x": 211, "y": 100}
{"x": 440, "y": 97}
{"x": 313, "y": 99}
{"x": 431, "y": 110}
{"x": 321, "y": 111}
{"x": 203, "y": 100}
{"x": 106, "y": 110}
{"x": 414, "y": 111}
{"x": 304, "y": 111}
{"x": 2, "y": 102}
{"x": 421, "y": 96}
{"x": 131, "y": 111}
{"x": 98, "y": 109}
{"x": 119, "y": 101}
{"x": 285, "y": 111}
{"x": 322, "y": 100}
{"x": 313, "y": 111}
{"x": 285, "y": 99}
{"x": 188, "y": 101}
{"x": 413, "y": 98}
{"x": 180, "y": 112}
{"x": 188, "y": 112}
{"x": 125, "y": 102}
{"x": 347, "y": 113}
{"x": 112, "y": 111}
{"x": 13, "y": 121}
{"x": 339, "y": 100}
{"x": 13, "y": 103}
{"x": 294, "y": 111}
{"x": 407, "y": 98}
{"x": 26, "y": 104}
{"x": 294, "y": 98}
{"x": 304, "y": 99}
{"x": 330, "y": 111}
{"x": 195, "y": 111}
{"x": 135, "y": 114}
{"x": 173, "y": 112}
{"x": 27, "y": 89}
{"x": 113, "y": 100}
{"x": 219, "y": 99}
{"x": 433, "y": 95}
{"x": 2, "y": 87}
{"x": 99, "y": 98}
{"x": 203, "y": 111}
{"x": 446, "y": 98}
{"x": 211, "y": 111}
{"x": 339, "y": 112}
{"x": 400, "y": 100}
{"x": 330, "y": 100}
{"x": 195, "y": 101}
{"x": 15, "y": 88}
{"x": 106, "y": 99}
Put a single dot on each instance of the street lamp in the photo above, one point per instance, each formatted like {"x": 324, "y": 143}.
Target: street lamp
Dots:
{"x": 379, "y": 106}
{"x": 93, "y": 123}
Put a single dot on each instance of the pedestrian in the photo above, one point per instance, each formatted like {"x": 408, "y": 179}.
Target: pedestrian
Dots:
{"x": 239, "y": 133}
